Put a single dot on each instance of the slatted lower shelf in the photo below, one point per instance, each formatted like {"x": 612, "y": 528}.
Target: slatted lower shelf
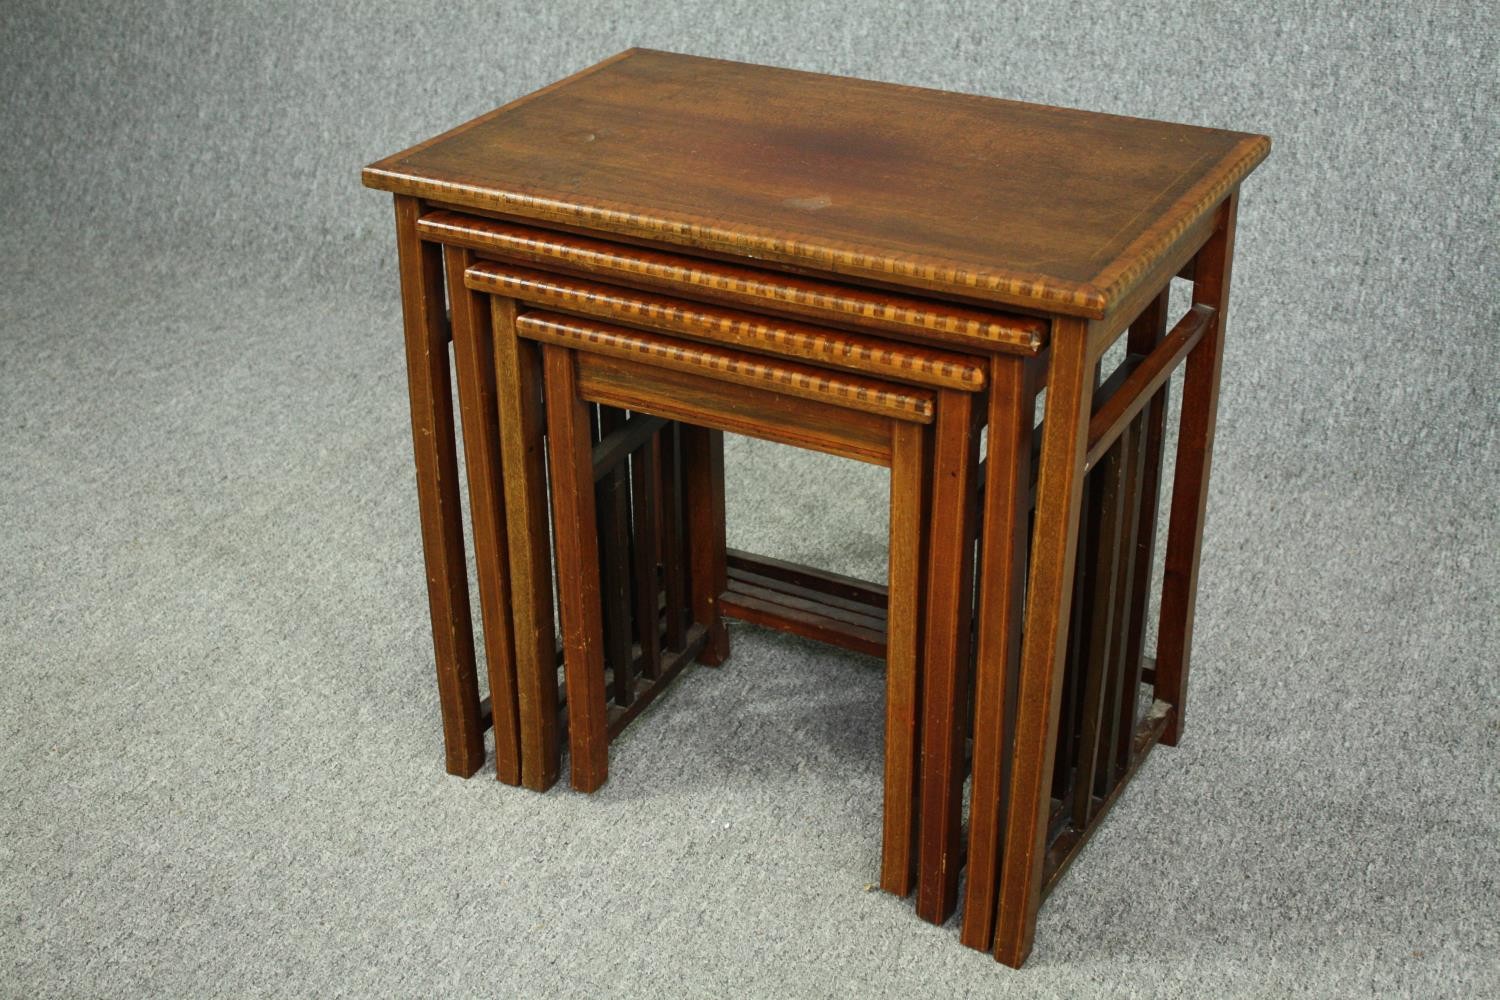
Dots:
{"x": 812, "y": 603}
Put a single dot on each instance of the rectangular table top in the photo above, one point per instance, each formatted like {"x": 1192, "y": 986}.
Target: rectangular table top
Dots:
{"x": 1038, "y": 207}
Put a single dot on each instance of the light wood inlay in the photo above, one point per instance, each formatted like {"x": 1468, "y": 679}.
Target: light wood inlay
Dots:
{"x": 889, "y": 400}
{"x": 764, "y": 334}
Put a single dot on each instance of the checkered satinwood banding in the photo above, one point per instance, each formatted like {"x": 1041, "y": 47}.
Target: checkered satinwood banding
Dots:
{"x": 770, "y": 291}
{"x": 883, "y": 398}
{"x": 759, "y": 333}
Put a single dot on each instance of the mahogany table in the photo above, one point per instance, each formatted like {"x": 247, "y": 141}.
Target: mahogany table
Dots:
{"x": 1076, "y": 220}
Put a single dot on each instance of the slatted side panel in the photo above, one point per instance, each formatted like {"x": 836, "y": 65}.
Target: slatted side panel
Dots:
{"x": 1104, "y": 732}
{"x": 642, "y": 558}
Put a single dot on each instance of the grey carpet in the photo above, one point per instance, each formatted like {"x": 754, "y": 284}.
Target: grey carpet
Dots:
{"x": 221, "y": 768}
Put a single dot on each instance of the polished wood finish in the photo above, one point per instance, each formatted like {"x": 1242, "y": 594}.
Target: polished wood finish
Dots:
{"x": 825, "y": 302}
{"x": 568, "y": 446}
{"x": 960, "y": 195}
{"x": 649, "y": 689}
{"x": 703, "y": 498}
{"x": 1054, "y": 546}
{"x": 645, "y": 554}
{"x": 698, "y": 393}
{"x": 800, "y": 422}
{"x": 624, "y": 441}
{"x": 1005, "y": 520}
{"x": 474, "y": 359}
{"x": 1137, "y": 391}
{"x": 841, "y": 266}
{"x": 946, "y": 650}
{"x": 612, "y": 506}
{"x": 1105, "y": 550}
{"x": 906, "y": 578}
{"x": 1195, "y": 442}
{"x": 433, "y": 447}
{"x": 518, "y": 369}
{"x": 732, "y": 327}
{"x": 673, "y": 546}
{"x": 812, "y": 603}
{"x": 1065, "y": 847}
{"x": 738, "y": 367}
{"x": 1146, "y": 333}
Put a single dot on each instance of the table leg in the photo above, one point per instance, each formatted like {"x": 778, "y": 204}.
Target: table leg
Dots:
{"x": 945, "y": 669}
{"x": 1002, "y": 568}
{"x": 909, "y": 447}
{"x": 518, "y": 374}
{"x": 708, "y": 572}
{"x": 475, "y": 367}
{"x": 433, "y": 447}
{"x": 1195, "y": 442}
{"x": 573, "y": 513}
{"x": 1054, "y": 549}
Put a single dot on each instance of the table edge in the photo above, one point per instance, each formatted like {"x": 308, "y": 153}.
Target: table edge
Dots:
{"x": 1094, "y": 298}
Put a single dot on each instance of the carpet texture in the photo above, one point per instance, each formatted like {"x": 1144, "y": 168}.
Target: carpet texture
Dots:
{"x": 222, "y": 771}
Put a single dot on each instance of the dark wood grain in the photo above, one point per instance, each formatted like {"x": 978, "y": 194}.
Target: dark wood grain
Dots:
{"x": 623, "y": 441}
{"x": 1120, "y": 407}
{"x": 1118, "y": 724}
{"x": 474, "y": 362}
{"x": 826, "y": 346}
{"x": 1148, "y": 330}
{"x": 1065, "y": 847}
{"x": 738, "y": 367}
{"x": 740, "y": 409}
{"x": 943, "y": 192}
{"x": 906, "y": 576}
{"x": 1054, "y": 548}
{"x": 847, "y": 239}
{"x": 945, "y": 669}
{"x": 834, "y": 304}
{"x": 645, "y": 551}
{"x": 434, "y": 449}
{"x": 703, "y": 502}
{"x": 570, "y": 451}
{"x": 518, "y": 375}
{"x": 612, "y": 503}
{"x": 1195, "y": 444}
{"x": 1098, "y": 659}
{"x": 1002, "y": 569}
{"x": 674, "y": 549}
{"x": 857, "y": 592}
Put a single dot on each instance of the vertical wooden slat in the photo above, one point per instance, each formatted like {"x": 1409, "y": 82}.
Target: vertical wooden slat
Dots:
{"x": 945, "y": 668}
{"x": 1123, "y": 681}
{"x": 1195, "y": 443}
{"x": 613, "y": 506}
{"x": 1054, "y": 548}
{"x": 908, "y": 494}
{"x": 645, "y": 551}
{"x": 475, "y": 368}
{"x": 702, "y": 454}
{"x": 674, "y": 555}
{"x": 1002, "y": 568}
{"x": 1075, "y": 656}
{"x": 1105, "y": 551}
{"x": 518, "y": 374}
{"x": 434, "y": 450}
{"x": 571, "y": 454}
{"x": 1148, "y": 330}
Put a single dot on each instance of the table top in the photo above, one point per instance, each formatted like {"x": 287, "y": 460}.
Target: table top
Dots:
{"x": 1044, "y": 208}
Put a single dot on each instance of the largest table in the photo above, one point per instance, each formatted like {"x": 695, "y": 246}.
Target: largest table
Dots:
{"x": 1076, "y": 218}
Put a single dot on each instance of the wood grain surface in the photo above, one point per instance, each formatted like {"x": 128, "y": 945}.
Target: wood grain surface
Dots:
{"x": 1034, "y": 206}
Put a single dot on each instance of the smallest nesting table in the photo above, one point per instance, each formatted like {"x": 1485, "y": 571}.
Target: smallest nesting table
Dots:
{"x": 1028, "y": 239}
